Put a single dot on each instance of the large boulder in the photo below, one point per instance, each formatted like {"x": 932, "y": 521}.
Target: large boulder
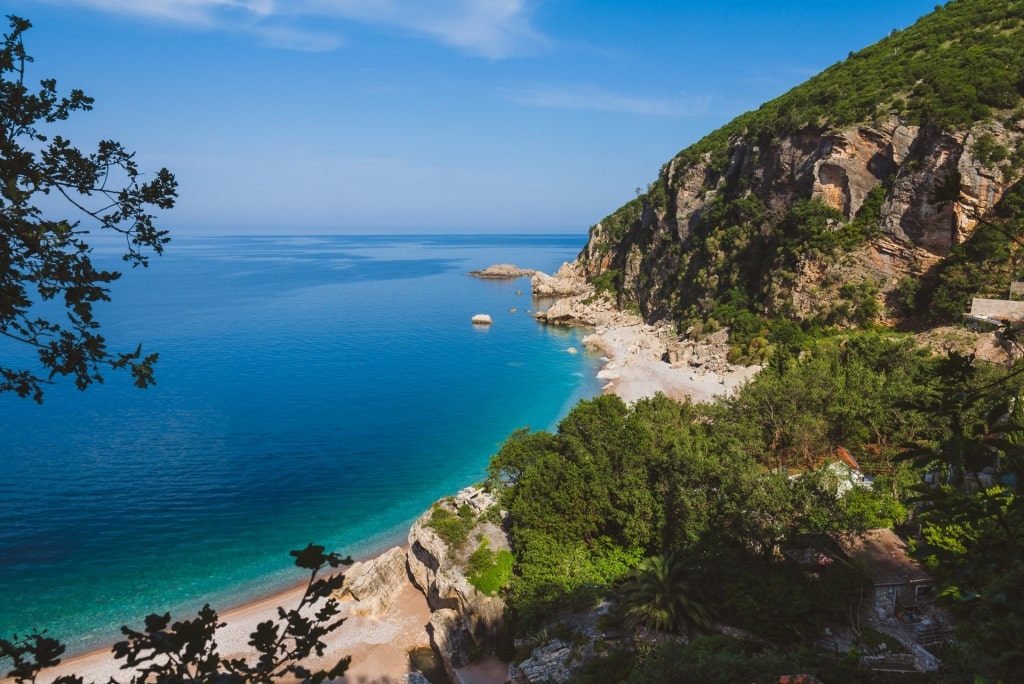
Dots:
{"x": 566, "y": 282}
{"x": 465, "y": 617}
{"x": 375, "y": 584}
{"x": 450, "y": 639}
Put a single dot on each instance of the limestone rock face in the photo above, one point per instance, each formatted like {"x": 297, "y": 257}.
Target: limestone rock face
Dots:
{"x": 462, "y": 617}
{"x": 566, "y": 282}
{"x": 549, "y": 663}
{"x": 375, "y": 584}
{"x": 851, "y": 164}
{"x": 450, "y": 640}
{"x": 662, "y": 256}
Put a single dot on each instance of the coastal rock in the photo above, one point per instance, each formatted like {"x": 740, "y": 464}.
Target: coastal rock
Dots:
{"x": 450, "y": 640}
{"x": 375, "y": 584}
{"x": 548, "y": 663}
{"x": 482, "y": 319}
{"x": 555, "y": 660}
{"x": 467, "y": 617}
{"x": 566, "y": 282}
{"x": 502, "y": 272}
{"x": 414, "y": 678}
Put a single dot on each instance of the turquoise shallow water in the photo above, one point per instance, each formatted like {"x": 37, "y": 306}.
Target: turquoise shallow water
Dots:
{"x": 322, "y": 389}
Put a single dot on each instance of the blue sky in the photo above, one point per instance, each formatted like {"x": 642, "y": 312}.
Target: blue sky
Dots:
{"x": 374, "y": 116}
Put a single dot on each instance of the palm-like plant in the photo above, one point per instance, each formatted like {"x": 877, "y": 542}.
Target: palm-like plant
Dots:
{"x": 660, "y": 596}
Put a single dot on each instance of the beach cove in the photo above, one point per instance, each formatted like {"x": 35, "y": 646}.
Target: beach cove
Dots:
{"x": 391, "y": 616}
{"x": 320, "y": 389}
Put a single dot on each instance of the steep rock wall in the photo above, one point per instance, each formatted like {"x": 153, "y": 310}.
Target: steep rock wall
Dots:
{"x": 462, "y": 619}
{"x": 937, "y": 186}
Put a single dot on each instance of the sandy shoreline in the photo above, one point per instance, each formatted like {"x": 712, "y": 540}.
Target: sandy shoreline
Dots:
{"x": 379, "y": 647}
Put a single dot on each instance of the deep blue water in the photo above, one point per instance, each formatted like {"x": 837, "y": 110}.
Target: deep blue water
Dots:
{"x": 310, "y": 389}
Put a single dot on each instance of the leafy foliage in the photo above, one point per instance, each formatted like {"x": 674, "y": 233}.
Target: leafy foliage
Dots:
{"x": 683, "y": 509}
{"x": 717, "y": 659}
{"x": 487, "y": 571}
{"x": 452, "y": 528}
{"x": 973, "y": 525}
{"x": 658, "y": 595}
{"x": 45, "y": 260}
{"x": 186, "y": 650}
{"x": 616, "y": 484}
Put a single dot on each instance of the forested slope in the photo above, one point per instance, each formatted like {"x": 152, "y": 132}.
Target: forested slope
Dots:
{"x": 862, "y": 196}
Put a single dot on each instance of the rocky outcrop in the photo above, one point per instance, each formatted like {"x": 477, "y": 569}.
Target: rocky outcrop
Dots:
{"x": 551, "y": 662}
{"x": 934, "y": 188}
{"x": 557, "y": 660}
{"x": 463, "y": 619}
{"x": 568, "y": 281}
{"x": 502, "y": 272}
{"x": 482, "y": 319}
{"x": 449, "y": 637}
{"x": 375, "y": 584}
{"x": 578, "y": 303}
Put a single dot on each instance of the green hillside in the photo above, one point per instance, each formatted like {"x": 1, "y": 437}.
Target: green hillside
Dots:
{"x": 957, "y": 66}
{"x": 880, "y": 194}
{"x": 734, "y": 253}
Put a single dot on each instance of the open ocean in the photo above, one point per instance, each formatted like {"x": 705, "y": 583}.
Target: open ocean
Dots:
{"x": 318, "y": 389}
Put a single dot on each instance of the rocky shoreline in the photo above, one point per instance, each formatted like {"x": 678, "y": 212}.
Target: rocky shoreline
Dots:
{"x": 642, "y": 359}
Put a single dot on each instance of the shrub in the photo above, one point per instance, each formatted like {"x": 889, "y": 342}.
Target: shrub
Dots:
{"x": 452, "y": 528}
{"x": 487, "y": 571}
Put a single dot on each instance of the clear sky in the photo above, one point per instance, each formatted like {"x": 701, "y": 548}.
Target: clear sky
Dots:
{"x": 367, "y": 116}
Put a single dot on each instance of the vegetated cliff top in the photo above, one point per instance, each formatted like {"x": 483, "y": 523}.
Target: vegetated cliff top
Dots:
{"x": 956, "y": 66}
{"x": 854, "y": 198}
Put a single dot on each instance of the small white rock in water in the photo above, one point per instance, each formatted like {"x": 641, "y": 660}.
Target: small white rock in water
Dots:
{"x": 512, "y": 310}
{"x": 482, "y": 319}
{"x": 572, "y": 350}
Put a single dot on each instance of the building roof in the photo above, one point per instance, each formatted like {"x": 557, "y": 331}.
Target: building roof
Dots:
{"x": 885, "y": 558}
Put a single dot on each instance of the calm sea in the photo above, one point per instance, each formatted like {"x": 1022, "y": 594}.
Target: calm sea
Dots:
{"x": 310, "y": 389}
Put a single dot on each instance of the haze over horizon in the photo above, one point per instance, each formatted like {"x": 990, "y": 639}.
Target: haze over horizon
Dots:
{"x": 381, "y": 116}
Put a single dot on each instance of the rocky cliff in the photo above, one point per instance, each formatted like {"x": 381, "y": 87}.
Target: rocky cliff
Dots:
{"x": 843, "y": 198}
{"x": 931, "y": 189}
{"x": 464, "y": 622}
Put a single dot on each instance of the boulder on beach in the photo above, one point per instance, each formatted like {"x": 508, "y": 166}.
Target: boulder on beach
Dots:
{"x": 482, "y": 319}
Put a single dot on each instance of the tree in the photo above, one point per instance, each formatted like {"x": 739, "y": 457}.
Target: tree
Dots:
{"x": 186, "y": 651}
{"x": 660, "y": 596}
{"x": 45, "y": 263}
{"x": 972, "y": 516}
